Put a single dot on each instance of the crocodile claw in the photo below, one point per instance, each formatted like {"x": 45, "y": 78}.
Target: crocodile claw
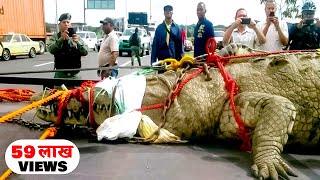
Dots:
{"x": 271, "y": 167}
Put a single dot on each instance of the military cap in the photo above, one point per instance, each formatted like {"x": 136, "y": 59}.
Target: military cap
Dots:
{"x": 65, "y": 16}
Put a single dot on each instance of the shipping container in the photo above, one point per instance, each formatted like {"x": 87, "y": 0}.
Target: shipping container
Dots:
{"x": 23, "y": 16}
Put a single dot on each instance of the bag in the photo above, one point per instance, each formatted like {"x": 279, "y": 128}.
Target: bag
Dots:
{"x": 176, "y": 44}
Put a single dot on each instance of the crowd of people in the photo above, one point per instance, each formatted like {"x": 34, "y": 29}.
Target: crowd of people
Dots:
{"x": 269, "y": 35}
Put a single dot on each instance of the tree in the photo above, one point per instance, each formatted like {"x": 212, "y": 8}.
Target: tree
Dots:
{"x": 288, "y": 8}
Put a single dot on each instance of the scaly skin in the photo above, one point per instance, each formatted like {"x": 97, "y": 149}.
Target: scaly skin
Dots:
{"x": 278, "y": 96}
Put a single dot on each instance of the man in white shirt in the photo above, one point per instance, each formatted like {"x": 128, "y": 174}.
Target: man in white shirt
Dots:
{"x": 276, "y": 31}
{"x": 243, "y": 31}
{"x": 109, "y": 50}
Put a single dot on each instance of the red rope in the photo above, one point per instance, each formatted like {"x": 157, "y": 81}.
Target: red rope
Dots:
{"x": 232, "y": 88}
{"x": 78, "y": 94}
{"x": 61, "y": 106}
{"x": 154, "y": 106}
{"x": 174, "y": 94}
{"x": 227, "y": 58}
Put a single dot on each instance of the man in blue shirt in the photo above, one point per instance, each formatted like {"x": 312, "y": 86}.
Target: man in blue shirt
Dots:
{"x": 167, "y": 42}
{"x": 203, "y": 31}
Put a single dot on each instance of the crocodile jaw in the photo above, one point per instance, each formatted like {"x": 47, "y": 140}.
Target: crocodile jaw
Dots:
{"x": 75, "y": 113}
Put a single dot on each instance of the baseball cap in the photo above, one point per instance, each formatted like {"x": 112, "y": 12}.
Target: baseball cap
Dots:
{"x": 168, "y": 8}
{"x": 107, "y": 20}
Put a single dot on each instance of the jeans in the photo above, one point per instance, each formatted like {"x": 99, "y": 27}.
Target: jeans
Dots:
{"x": 103, "y": 74}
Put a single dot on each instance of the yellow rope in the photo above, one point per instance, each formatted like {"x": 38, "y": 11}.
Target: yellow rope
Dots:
{"x": 30, "y": 106}
{"x": 6, "y": 174}
{"x": 49, "y": 132}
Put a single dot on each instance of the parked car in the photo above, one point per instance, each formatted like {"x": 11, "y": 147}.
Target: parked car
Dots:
{"x": 89, "y": 37}
{"x": 99, "y": 41}
{"x": 19, "y": 45}
{"x": 145, "y": 41}
{"x": 187, "y": 45}
{"x": 1, "y": 50}
{"x": 98, "y": 45}
{"x": 118, "y": 33}
{"x": 219, "y": 36}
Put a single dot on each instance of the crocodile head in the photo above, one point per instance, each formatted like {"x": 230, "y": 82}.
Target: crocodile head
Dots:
{"x": 75, "y": 111}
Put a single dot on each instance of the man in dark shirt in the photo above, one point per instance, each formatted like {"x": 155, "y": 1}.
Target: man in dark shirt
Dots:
{"x": 135, "y": 44}
{"x": 67, "y": 50}
{"x": 167, "y": 42}
{"x": 306, "y": 33}
{"x": 203, "y": 31}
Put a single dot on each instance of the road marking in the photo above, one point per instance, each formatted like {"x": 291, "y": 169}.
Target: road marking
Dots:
{"x": 43, "y": 64}
{"x": 124, "y": 64}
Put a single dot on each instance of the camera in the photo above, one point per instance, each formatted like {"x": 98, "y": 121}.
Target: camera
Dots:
{"x": 71, "y": 32}
{"x": 271, "y": 14}
{"x": 309, "y": 21}
{"x": 245, "y": 20}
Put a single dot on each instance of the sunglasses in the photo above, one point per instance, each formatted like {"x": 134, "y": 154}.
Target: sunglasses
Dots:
{"x": 308, "y": 13}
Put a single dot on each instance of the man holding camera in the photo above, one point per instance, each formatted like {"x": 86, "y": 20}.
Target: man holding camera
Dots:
{"x": 306, "y": 33}
{"x": 67, "y": 48}
{"x": 243, "y": 31}
{"x": 276, "y": 31}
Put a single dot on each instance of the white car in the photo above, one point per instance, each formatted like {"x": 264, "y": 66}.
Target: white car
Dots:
{"x": 99, "y": 41}
{"x": 89, "y": 37}
{"x": 124, "y": 41}
{"x": 218, "y": 36}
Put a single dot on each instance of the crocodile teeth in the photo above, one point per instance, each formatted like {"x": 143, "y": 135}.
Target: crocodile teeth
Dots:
{"x": 69, "y": 113}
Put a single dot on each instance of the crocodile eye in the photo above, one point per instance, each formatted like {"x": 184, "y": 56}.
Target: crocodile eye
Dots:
{"x": 279, "y": 62}
{"x": 258, "y": 60}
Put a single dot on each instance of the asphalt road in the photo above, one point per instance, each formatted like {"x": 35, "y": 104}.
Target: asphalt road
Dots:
{"x": 123, "y": 161}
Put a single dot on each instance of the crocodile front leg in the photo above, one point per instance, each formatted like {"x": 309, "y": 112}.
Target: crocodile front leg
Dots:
{"x": 271, "y": 117}
{"x": 270, "y": 135}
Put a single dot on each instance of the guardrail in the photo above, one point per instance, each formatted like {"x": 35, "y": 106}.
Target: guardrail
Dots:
{"x": 45, "y": 82}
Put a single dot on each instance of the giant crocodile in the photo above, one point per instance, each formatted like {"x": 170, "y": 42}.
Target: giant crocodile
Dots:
{"x": 278, "y": 101}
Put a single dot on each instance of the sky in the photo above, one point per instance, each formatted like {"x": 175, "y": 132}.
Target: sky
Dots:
{"x": 184, "y": 11}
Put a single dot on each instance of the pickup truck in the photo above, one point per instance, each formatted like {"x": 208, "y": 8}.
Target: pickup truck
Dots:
{"x": 124, "y": 41}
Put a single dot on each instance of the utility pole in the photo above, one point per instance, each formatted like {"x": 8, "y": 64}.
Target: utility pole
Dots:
{"x": 126, "y": 15}
{"x": 186, "y": 27}
{"x": 57, "y": 28}
{"x": 150, "y": 10}
{"x": 84, "y": 12}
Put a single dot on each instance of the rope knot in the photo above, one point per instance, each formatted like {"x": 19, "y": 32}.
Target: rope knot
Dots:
{"x": 212, "y": 58}
{"x": 52, "y": 132}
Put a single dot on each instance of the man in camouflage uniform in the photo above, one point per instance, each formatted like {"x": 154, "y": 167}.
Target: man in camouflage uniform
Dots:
{"x": 67, "y": 50}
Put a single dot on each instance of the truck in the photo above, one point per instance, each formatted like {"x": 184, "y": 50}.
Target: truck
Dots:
{"x": 136, "y": 20}
{"x": 24, "y": 17}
